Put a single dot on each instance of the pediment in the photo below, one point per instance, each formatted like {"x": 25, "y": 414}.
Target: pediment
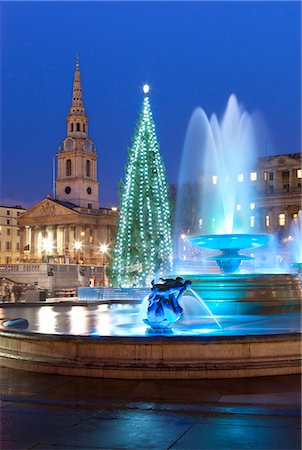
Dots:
{"x": 48, "y": 208}
{"x": 282, "y": 161}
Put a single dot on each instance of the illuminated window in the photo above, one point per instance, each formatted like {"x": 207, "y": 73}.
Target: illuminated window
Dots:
{"x": 252, "y": 221}
{"x": 253, "y": 176}
{"x": 68, "y": 167}
{"x": 238, "y": 207}
{"x": 252, "y": 205}
{"x": 295, "y": 217}
{"x": 200, "y": 223}
{"x": 281, "y": 220}
{"x": 299, "y": 173}
{"x": 265, "y": 176}
{"x": 214, "y": 179}
{"x": 267, "y": 221}
{"x": 240, "y": 178}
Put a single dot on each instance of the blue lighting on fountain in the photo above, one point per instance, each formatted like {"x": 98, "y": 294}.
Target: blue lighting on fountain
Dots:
{"x": 295, "y": 242}
{"x": 217, "y": 180}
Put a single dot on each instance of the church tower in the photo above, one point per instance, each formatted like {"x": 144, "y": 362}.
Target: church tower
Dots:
{"x": 77, "y": 181}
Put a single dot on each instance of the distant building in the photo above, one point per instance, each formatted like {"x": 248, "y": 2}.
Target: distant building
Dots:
{"x": 10, "y": 234}
{"x": 70, "y": 227}
{"x": 276, "y": 181}
{"x": 278, "y": 198}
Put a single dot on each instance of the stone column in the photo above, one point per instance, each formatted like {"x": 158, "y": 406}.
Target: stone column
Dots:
{"x": 78, "y": 238}
{"x": 87, "y": 245}
{"x": 66, "y": 231}
{"x": 32, "y": 243}
{"x": 53, "y": 229}
{"x": 22, "y": 242}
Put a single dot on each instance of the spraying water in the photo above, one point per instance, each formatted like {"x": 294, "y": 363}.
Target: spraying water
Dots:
{"x": 205, "y": 306}
{"x": 296, "y": 234}
{"x": 216, "y": 181}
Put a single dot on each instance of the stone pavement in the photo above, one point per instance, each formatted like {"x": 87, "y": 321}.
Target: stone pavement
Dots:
{"x": 56, "y": 412}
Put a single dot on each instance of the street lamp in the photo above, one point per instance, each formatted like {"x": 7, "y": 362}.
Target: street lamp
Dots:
{"x": 103, "y": 250}
{"x": 77, "y": 247}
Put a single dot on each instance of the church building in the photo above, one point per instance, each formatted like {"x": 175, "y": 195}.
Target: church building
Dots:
{"x": 70, "y": 226}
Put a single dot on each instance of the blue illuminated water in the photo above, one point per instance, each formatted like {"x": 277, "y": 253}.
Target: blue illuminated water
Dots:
{"x": 101, "y": 320}
{"x": 218, "y": 160}
{"x": 295, "y": 241}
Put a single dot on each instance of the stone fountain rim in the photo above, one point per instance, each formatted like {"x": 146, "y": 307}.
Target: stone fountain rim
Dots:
{"x": 146, "y": 339}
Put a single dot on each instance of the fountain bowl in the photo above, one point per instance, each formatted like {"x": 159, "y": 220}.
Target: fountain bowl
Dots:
{"x": 229, "y": 241}
{"x": 229, "y": 244}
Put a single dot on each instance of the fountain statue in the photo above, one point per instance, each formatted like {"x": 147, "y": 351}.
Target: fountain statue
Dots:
{"x": 164, "y": 308}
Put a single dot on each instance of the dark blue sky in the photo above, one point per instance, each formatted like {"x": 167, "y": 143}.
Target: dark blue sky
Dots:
{"x": 193, "y": 54}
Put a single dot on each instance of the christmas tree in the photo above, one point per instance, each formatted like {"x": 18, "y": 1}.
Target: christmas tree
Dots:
{"x": 143, "y": 243}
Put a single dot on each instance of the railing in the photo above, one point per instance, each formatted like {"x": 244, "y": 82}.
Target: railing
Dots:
{"x": 109, "y": 293}
{"x": 283, "y": 191}
{"x": 23, "y": 267}
{"x": 44, "y": 268}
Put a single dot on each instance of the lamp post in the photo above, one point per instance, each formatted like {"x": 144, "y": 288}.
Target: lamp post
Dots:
{"x": 103, "y": 250}
{"x": 47, "y": 247}
{"x": 77, "y": 247}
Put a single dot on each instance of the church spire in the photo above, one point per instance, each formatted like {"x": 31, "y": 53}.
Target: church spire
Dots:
{"x": 77, "y": 120}
{"x": 77, "y": 180}
{"x": 77, "y": 106}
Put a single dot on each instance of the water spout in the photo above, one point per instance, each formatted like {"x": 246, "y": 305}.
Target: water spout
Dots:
{"x": 205, "y": 306}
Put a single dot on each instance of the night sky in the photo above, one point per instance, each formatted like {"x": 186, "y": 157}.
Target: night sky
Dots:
{"x": 192, "y": 54}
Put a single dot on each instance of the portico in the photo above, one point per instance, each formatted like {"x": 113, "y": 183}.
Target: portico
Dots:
{"x": 51, "y": 231}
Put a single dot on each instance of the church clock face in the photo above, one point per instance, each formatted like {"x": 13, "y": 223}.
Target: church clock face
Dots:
{"x": 67, "y": 190}
{"x": 89, "y": 191}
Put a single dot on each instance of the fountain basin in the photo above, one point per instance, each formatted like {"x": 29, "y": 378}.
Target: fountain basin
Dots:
{"x": 253, "y": 294}
{"x": 109, "y": 341}
{"x": 229, "y": 241}
{"x": 152, "y": 357}
{"x": 229, "y": 244}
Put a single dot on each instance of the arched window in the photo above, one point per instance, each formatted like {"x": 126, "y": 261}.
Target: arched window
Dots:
{"x": 68, "y": 167}
{"x": 78, "y": 127}
{"x": 71, "y": 127}
{"x": 84, "y": 127}
{"x": 88, "y": 168}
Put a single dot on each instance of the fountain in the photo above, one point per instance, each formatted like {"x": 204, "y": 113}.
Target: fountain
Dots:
{"x": 232, "y": 324}
{"x": 296, "y": 242}
{"x": 223, "y": 176}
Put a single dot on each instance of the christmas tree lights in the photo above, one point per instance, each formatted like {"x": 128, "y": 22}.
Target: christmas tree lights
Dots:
{"x": 143, "y": 243}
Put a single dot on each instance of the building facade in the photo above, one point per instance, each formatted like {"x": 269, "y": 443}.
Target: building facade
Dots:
{"x": 10, "y": 234}
{"x": 276, "y": 186}
{"x": 278, "y": 193}
{"x": 70, "y": 227}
